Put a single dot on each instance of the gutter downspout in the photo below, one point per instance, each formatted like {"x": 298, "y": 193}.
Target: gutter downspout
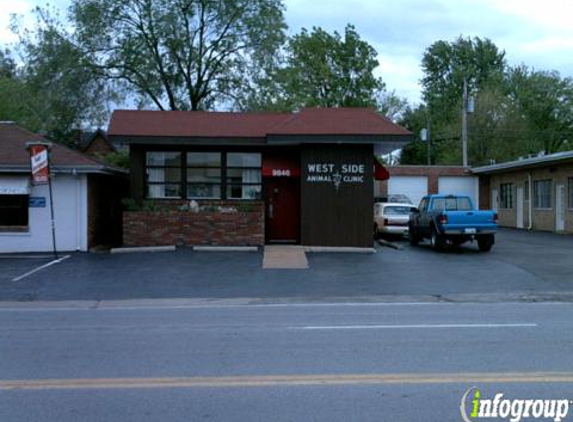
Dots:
{"x": 529, "y": 206}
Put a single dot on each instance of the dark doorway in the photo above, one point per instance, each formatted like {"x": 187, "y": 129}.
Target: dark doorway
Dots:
{"x": 283, "y": 210}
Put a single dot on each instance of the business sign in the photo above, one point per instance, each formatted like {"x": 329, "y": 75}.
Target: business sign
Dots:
{"x": 37, "y": 202}
{"x": 280, "y": 167}
{"x": 39, "y": 161}
{"x": 337, "y": 174}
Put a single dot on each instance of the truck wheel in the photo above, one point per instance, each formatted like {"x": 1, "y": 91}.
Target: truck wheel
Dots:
{"x": 485, "y": 244}
{"x": 436, "y": 240}
{"x": 413, "y": 237}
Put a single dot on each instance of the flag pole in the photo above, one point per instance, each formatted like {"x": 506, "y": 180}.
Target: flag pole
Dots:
{"x": 40, "y": 164}
{"x": 53, "y": 221}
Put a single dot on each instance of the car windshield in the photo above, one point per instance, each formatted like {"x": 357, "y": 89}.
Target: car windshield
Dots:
{"x": 397, "y": 210}
{"x": 453, "y": 204}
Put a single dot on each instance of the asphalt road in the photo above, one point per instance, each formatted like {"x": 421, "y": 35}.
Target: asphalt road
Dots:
{"x": 298, "y": 362}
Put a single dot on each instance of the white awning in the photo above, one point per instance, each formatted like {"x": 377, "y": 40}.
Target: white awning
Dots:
{"x": 14, "y": 185}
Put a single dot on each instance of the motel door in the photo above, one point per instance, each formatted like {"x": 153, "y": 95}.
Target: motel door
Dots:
{"x": 559, "y": 207}
{"x": 281, "y": 178}
{"x": 519, "y": 207}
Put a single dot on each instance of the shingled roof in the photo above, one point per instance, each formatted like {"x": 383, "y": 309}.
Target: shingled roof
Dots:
{"x": 201, "y": 124}
{"x": 14, "y": 155}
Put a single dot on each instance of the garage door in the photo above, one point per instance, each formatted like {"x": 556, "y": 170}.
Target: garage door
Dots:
{"x": 414, "y": 187}
{"x": 467, "y": 185}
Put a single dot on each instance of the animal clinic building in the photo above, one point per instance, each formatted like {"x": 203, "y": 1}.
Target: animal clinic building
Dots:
{"x": 301, "y": 178}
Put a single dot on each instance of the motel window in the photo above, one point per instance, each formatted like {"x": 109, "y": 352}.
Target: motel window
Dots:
{"x": 570, "y": 188}
{"x": 243, "y": 176}
{"x": 526, "y": 191}
{"x": 163, "y": 171}
{"x": 204, "y": 175}
{"x": 506, "y": 195}
{"x": 542, "y": 194}
{"x": 13, "y": 212}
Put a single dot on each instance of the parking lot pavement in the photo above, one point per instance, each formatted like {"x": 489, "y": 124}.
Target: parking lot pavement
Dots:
{"x": 521, "y": 266}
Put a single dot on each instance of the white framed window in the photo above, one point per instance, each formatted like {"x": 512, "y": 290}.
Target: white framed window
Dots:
{"x": 244, "y": 175}
{"x": 204, "y": 175}
{"x": 163, "y": 174}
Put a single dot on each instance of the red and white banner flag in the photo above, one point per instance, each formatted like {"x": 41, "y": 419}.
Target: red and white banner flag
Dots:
{"x": 40, "y": 167}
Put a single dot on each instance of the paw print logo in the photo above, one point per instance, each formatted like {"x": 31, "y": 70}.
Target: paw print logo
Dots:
{"x": 336, "y": 179}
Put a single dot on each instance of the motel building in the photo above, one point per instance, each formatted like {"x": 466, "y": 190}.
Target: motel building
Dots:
{"x": 223, "y": 178}
{"x": 533, "y": 193}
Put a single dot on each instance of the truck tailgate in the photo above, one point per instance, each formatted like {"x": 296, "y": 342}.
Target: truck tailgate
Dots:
{"x": 460, "y": 220}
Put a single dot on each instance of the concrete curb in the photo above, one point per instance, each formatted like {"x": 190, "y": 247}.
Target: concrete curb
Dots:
{"x": 547, "y": 298}
{"x": 338, "y": 249}
{"x": 169, "y": 248}
{"x": 225, "y": 248}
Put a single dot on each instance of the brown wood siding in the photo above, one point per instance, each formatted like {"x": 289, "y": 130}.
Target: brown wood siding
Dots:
{"x": 331, "y": 216}
{"x": 137, "y": 172}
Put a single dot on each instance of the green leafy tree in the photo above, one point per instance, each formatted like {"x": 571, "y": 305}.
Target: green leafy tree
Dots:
{"x": 180, "y": 54}
{"x": 11, "y": 89}
{"x": 544, "y": 99}
{"x": 330, "y": 70}
{"x": 416, "y": 152}
{"x": 447, "y": 64}
{"x": 57, "y": 91}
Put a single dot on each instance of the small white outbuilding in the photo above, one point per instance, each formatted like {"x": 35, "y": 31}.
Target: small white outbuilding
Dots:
{"x": 87, "y": 198}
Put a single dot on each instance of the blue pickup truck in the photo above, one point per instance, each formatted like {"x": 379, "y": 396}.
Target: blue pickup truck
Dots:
{"x": 452, "y": 220}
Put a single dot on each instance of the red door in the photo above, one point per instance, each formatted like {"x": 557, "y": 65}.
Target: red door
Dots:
{"x": 283, "y": 210}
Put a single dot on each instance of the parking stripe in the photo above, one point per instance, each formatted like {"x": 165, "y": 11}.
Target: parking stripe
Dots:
{"x": 35, "y": 270}
{"x": 409, "y": 326}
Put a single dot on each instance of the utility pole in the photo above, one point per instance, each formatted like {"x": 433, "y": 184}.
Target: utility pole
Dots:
{"x": 465, "y": 123}
{"x": 429, "y": 143}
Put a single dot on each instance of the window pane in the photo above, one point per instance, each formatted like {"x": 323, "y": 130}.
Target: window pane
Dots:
{"x": 203, "y": 159}
{"x": 244, "y": 175}
{"x": 243, "y": 191}
{"x": 210, "y": 175}
{"x": 506, "y": 195}
{"x": 542, "y": 193}
{"x": 164, "y": 191}
{"x": 397, "y": 210}
{"x": 167, "y": 174}
{"x": 204, "y": 191}
{"x": 242, "y": 159}
{"x": 164, "y": 159}
{"x": 13, "y": 210}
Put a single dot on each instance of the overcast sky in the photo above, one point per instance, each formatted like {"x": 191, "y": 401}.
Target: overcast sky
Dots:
{"x": 536, "y": 33}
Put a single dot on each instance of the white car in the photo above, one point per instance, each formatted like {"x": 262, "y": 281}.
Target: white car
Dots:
{"x": 391, "y": 218}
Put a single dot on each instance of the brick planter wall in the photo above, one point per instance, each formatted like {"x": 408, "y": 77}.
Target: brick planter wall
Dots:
{"x": 174, "y": 227}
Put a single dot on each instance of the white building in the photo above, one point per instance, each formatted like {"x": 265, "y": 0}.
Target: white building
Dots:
{"x": 86, "y": 192}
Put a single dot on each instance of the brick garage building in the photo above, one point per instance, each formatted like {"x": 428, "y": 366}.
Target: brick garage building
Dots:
{"x": 303, "y": 178}
{"x": 417, "y": 181}
{"x": 87, "y": 197}
{"x": 532, "y": 193}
